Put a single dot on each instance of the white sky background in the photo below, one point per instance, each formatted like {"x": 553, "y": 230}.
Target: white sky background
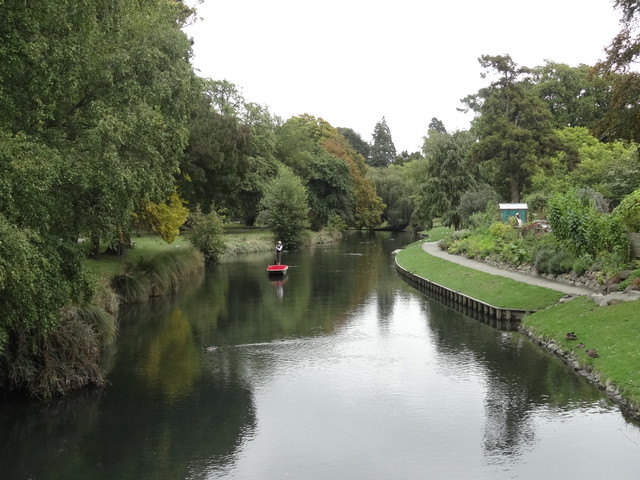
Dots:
{"x": 351, "y": 62}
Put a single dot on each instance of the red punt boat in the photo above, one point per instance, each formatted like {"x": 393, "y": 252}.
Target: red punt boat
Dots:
{"x": 277, "y": 269}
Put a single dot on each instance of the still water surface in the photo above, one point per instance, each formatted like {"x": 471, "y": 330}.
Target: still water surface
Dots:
{"x": 341, "y": 371}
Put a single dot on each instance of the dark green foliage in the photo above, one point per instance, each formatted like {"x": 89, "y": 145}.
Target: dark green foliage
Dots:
{"x": 436, "y": 125}
{"x": 514, "y": 129}
{"x": 356, "y": 141}
{"x": 582, "y": 264}
{"x": 383, "y": 151}
{"x": 537, "y": 203}
{"x": 215, "y": 162}
{"x": 67, "y": 358}
{"x": 475, "y": 201}
{"x": 575, "y": 97}
{"x": 32, "y": 287}
{"x": 205, "y": 232}
{"x": 393, "y": 186}
{"x": 329, "y": 190}
{"x": 444, "y": 178}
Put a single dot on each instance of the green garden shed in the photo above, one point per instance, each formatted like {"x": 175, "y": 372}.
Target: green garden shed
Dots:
{"x": 510, "y": 209}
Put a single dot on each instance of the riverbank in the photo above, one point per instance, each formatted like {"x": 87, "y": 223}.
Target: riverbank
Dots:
{"x": 611, "y": 331}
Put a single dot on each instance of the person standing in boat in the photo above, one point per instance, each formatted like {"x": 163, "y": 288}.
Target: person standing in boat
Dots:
{"x": 278, "y": 252}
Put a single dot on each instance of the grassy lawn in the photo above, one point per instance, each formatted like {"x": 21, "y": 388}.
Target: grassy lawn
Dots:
{"x": 495, "y": 290}
{"x": 437, "y": 233}
{"x": 613, "y": 331}
{"x": 148, "y": 245}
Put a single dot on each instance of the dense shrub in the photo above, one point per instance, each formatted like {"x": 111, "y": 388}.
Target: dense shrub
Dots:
{"x": 629, "y": 211}
{"x": 483, "y": 220}
{"x": 284, "y": 208}
{"x": 582, "y": 264}
{"x": 476, "y": 201}
{"x": 205, "y": 232}
{"x": 64, "y": 359}
{"x": 561, "y": 262}
{"x": 575, "y": 219}
{"x": 632, "y": 281}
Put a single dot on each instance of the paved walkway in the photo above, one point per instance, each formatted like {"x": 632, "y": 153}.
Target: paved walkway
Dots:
{"x": 433, "y": 249}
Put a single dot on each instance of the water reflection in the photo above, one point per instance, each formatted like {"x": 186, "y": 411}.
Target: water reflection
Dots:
{"x": 338, "y": 370}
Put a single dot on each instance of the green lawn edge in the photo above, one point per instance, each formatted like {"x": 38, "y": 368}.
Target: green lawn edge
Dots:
{"x": 613, "y": 331}
{"x": 492, "y": 289}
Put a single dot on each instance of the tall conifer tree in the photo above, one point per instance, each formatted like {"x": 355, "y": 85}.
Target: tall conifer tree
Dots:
{"x": 383, "y": 151}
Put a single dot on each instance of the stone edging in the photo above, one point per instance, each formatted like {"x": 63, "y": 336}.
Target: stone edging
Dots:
{"x": 569, "y": 358}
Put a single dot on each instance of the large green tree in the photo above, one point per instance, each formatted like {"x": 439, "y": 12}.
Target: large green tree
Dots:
{"x": 284, "y": 208}
{"x": 395, "y": 189}
{"x": 215, "y": 161}
{"x": 383, "y": 151}
{"x": 513, "y": 126}
{"x": 108, "y": 84}
{"x": 444, "y": 178}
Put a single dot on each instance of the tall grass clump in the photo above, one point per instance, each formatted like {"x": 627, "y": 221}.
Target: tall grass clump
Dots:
{"x": 160, "y": 274}
{"x": 104, "y": 324}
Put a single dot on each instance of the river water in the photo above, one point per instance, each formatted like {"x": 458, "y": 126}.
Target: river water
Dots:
{"x": 339, "y": 371}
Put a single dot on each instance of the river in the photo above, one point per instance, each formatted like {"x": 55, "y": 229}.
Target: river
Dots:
{"x": 338, "y": 371}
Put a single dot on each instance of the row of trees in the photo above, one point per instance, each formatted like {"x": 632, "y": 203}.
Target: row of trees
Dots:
{"x": 94, "y": 96}
{"x": 104, "y": 127}
{"x": 237, "y": 150}
{"x": 537, "y": 131}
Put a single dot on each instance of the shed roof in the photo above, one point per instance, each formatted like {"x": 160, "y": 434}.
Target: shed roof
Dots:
{"x": 513, "y": 206}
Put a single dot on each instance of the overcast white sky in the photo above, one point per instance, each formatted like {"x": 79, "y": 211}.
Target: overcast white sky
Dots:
{"x": 351, "y": 62}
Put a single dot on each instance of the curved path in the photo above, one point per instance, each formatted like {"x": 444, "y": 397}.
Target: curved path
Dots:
{"x": 433, "y": 249}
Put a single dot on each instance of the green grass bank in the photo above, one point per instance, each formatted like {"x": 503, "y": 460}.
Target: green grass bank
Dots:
{"x": 612, "y": 331}
{"x": 497, "y": 291}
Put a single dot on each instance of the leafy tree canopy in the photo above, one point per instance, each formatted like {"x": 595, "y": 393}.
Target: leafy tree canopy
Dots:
{"x": 284, "y": 208}
{"x": 445, "y": 178}
{"x": 514, "y": 127}
{"x": 356, "y": 141}
{"x": 575, "y": 97}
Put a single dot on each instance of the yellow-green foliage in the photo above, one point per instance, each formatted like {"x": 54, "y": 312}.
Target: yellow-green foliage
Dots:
{"x": 166, "y": 219}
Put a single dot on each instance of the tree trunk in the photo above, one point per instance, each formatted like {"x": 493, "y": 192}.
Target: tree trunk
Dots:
{"x": 515, "y": 191}
{"x": 95, "y": 246}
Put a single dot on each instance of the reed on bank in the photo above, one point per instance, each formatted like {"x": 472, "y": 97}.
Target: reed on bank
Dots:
{"x": 160, "y": 274}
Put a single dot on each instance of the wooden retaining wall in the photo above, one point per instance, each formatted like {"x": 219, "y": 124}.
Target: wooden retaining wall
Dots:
{"x": 497, "y": 317}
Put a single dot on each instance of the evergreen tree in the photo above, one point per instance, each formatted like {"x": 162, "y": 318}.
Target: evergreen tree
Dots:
{"x": 383, "y": 151}
{"x": 436, "y": 125}
{"x": 514, "y": 129}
